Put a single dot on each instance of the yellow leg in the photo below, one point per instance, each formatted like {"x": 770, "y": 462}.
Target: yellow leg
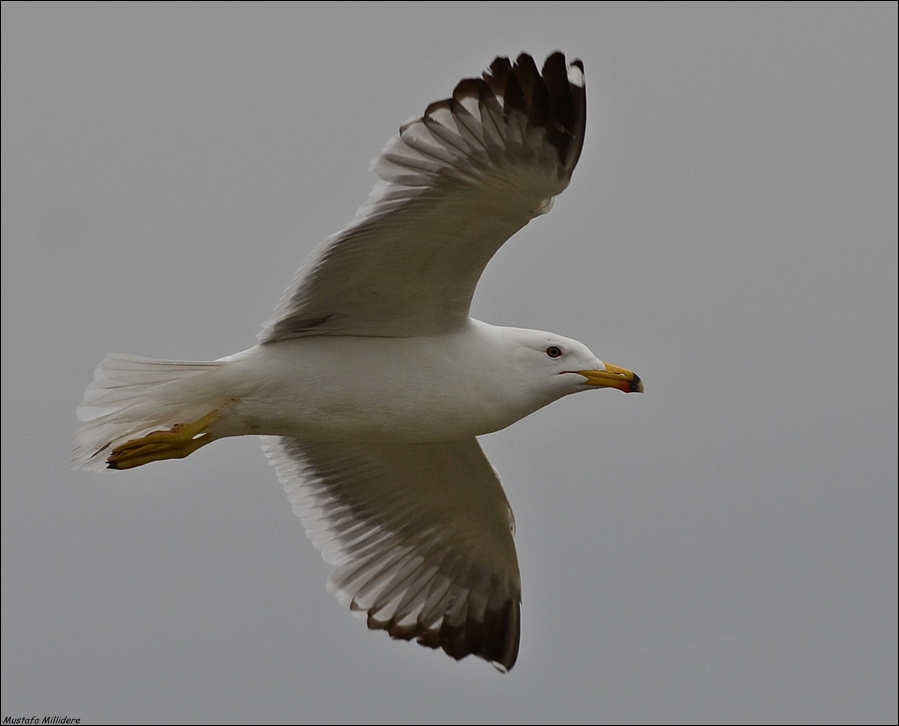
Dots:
{"x": 177, "y": 442}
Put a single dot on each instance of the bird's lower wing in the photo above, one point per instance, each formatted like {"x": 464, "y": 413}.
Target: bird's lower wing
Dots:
{"x": 421, "y": 535}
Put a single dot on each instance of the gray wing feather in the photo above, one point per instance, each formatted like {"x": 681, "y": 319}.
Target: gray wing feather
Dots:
{"x": 453, "y": 186}
{"x": 421, "y": 535}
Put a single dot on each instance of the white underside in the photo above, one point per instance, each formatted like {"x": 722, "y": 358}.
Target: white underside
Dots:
{"x": 453, "y": 386}
{"x": 373, "y": 389}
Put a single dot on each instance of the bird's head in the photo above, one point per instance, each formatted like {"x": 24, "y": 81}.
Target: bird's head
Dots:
{"x": 562, "y": 365}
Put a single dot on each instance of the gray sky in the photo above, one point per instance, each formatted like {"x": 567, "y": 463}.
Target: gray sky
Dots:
{"x": 722, "y": 548}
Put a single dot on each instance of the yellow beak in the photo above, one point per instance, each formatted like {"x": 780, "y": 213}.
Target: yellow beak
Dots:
{"x": 614, "y": 377}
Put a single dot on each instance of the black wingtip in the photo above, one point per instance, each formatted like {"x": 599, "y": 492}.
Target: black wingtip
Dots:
{"x": 551, "y": 97}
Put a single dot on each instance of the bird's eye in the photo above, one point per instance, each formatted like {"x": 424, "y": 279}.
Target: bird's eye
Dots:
{"x": 554, "y": 351}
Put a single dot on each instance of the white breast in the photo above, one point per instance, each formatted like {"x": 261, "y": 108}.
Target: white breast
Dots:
{"x": 343, "y": 388}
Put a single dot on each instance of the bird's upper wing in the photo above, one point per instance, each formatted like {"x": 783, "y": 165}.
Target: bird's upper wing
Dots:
{"x": 421, "y": 535}
{"x": 454, "y": 186}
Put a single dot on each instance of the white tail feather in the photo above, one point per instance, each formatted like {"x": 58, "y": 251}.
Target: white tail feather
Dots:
{"x": 131, "y": 396}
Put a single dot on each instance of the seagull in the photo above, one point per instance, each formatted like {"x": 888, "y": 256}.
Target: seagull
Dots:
{"x": 370, "y": 382}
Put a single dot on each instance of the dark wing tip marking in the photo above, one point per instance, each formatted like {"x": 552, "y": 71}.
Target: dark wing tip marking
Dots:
{"x": 494, "y": 636}
{"x": 550, "y": 98}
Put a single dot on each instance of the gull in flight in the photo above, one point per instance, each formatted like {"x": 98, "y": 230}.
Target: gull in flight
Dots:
{"x": 370, "y": 382}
